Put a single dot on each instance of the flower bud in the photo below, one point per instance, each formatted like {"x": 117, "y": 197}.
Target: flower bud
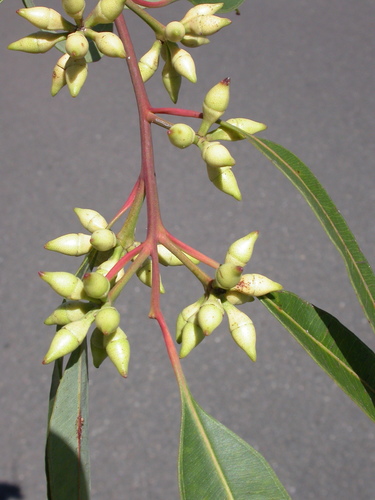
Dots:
{"x": 107, "y": 265}
{"x": 224, "y": 179}
{"x": 204, "y": 9}
{"x": 65, "y": 284}
{"x": 105, "y": 11}
{"x": 144, "y": 274}
{"x": 240, "y": 252}
{"x": 107, "y": 319}
{"x": 216, "y": 155}
{"x": 71, "y": 310}
{"x": 167, "y": 258}
{"x": 214, "y": 105}
{"x": 210, "y": 315}
{"x": 68, "y": 338}
{"x": 98, "y": 352}
{"x": 90, "y": 219}
{"x": 70, "y": 244}
{"x": 174, "y": 31}
{"x": 149, "y": 62}
{"x": 188, "y": 314}
{"x": 58, "y": 75}
{"x": 76, "y": 74}
{"x": 256, "y": 285}
{"x": 194, "y": 41}
{"x": 74, "y": 8}
{"x": 37, "y": 43}
{"x": 205, "y": 25}
{"x": 96, "y": 285}
{"x": 103, "y": 239}
{"x": 182, "y": 62}
{"x": 227, "y": 275}
{"x": 181, "y": 135}
{"x": 223, "y": 133}
{"x": 77, "y": 45}
{"x": 45, "y": 18}
{"x": 237, "y": 298}
{"x": 171, "y": 80}
{"x": 191, "y": 336}
{"x": 117, "y": 347}
{"x": 109, "y": 44}
{"x": 242, "y": 330}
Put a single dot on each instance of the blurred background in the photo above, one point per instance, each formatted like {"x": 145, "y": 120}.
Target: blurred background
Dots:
{"x": 306, "y": 70}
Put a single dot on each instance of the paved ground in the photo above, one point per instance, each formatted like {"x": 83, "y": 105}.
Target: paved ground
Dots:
{"x": 306, "y": 69}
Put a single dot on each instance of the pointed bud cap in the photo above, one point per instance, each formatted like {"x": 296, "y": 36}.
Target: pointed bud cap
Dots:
{"x": 192, "y": 335}
{"x": 171, "y": 80}
{"x": 240, "y": 252}
{"x": 204, "y": 9}
{"x": 224, "y": 179}
{"x": 205, "y": 25}
{"x": 71, "y": 310}
{"x": 118, "y": 349}
{"x": 256, "y": 285}
{"x": 182, "y": 62}
{"x": 194, "y": 41}
{"x": 73, "y": 244}
{"x": 65, "y": 284}
{"x": 188, "y": 314}
{"x": 45, "y": 18}
{"x": 90, "y": 219}
{"x": 214, "y": 105}
{"x": 58, "y": 75}
{"x": 227, "y": 275}
{"x": 105, "y": 11}
{"x": 149, "y": 62}
{"x": 37, "y": 43}
{"x": 224, "y": 133}
{"x": 210, "y": 315}
{"x": 110, "y": 44}
{"x": 76, "y": 74}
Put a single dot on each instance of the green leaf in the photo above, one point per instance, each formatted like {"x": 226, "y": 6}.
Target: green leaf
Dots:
{"x": 67, "y": 457}
{"x": 28, "y": 3}
{"x": 228, "y": 6}
{"x": 359, "y": 270}
{"x": 341, "y": 354}
{"x": 214, "y": 463}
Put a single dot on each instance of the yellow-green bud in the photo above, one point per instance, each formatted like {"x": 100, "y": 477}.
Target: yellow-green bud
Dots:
{"x": 237, "y": 298}
{"x": 227, "y": 276}
{"x": 224, "y": 179}
{"x": 214, "y": 105}
{"x": 256, "y": 285}
{"x": 109, "y": 44}
{"x": 65, "y": 284}
{"x": 105, "y": 11}
{"x": 194, "y": 41}
{"x": 191, "y": 336}
{"x": 37, "y": 43}
{"x": 224, "y": 133}
{"x": 149, "y": 62}
{"x": 68, "y": 338}
{"x": 204, "y": 9}
{"x": 188, "y": 314}
{"x": 216, "y": 155}
{"x": 240, "y": 252}
{"x": 74, "y": 8}
{"x": 174, "y": 31}
{"x": 96, "y": 285}
{"x": 182, "y": 62}
{"x": 98, "y": 352}
{"x": 107, "y": 319}
{"x": 58, "y": 74}
{"x": 107, "y": 265}
{"x": 90, "y": 219}
{"x": 242, "y": 330}
{"x": 167, "y": 258}
{"x": 117, "y": 347}
{"x": 144, "y": 274}
{"x": 71, "y": 310}
{"x": 76, "y": 74}
{"x": 70, "y": 244}
{"x": 103, "y": 239}
{"x": 181, "y": 135}
{"x": 171, "y": 80}
{"x": 205, "y": 25}
{"x": 77, "y": 45}
{"x": 210, "y": 315}
{"x": 45, "y": 18}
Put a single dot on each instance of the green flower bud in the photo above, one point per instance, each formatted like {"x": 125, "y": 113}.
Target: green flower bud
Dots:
{"x": 37, "y": 43}
{"x": 74, "y": 8}
{"x": 182, "y": 62}
{"x": 210, "y": 315}
{"x": 224, "y": 179}
{"x": 192, "y": 335}
{"x": 174, "y": 31}
{"x": 65, "y": 284}
{"x": 98, "y": 352}
{"x": 105, "y": 11}
{"x": 107, "y": 319}
{"x": 103, "y": 239}
{"x": 68, "y": 338}
{"x": 227, "y": 275}
{"x": 237, "y": 298}
{"x": 70, "y": 244}
{"x": 109, "y": 44}
{"x": 77, "y": 45}
{"x": 90, "y": 219}
{"x": 194, "y": 41}
{"x": 107, "y": 265}
{"x": 240, "y": 252}
{"x": 242, "y": 330}
{"x": 205, "y": 25}
{"x": 144, "y": 274}
{"x": 149, "y": 62}
{"x": 204, "y": 9}
{"x": 214, "y": 105}
{"x": 71, "y": 310}
{"x": 216, "y": 155}
{"x": 45, "y": 18}
{"x": 58, "y": 75}
{"x": 96, "y": 285}
{"x": 167, "y": 258}
{"x": 181, "y": 135}
{"x": 76, "y": 74}
{"x": 171, "y": 80}
{"x": 224, "y": 133}
{"x": 256, "y": 285}
{"x": 188, "y": 314}
{"x": 117, "y": 347}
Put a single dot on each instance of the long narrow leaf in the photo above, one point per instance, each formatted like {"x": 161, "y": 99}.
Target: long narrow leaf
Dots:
{"x": 333, "y": 347}
{"x": 214, "y": 463}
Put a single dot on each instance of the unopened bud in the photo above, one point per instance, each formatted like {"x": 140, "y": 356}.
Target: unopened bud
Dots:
{"x": 90, "y": 219}
{"x": 96, "y": 285}
{"x": 65, "y": 284}
{"x": 76, "y": 74}
{"x": 107, "y": 319}
{"x": 210, "y": 315}
{"x": 256, "y": 285}
{"x": 188, "y": 314}
{"x": 182, "y": 62}
{"x": 98, "y": 352}
{"x": 144, "y": 274}
{"x": 194, "y": 41}
{"x": 181, "y": 135}
{"x": 227, "y": 276}
{"x": 237, "y": 298}
{"x": 58, "y": 74}
{"x": 74, "y": 244}
{"x": 37, "y": 43}
{"x": 216, "y": 155}
{"x": 117, "y": 347}
{"x": 224, "y": 179}
{"x": 77, "y": 45}
{"x": 191, "y": 336}
{"x": 105, "y": 11}
{"x": 109, "y": 44}
{"x": 74, "y": 8}
{"x": 204, "y": 9}
{"x": 205, "y": 25}
{"x": 214, "y": 105}
{"x": 224, "y": 133}
{"x": 71, "y": 310}
{"x": 242, "y": 330}
{"x": 171, "y": 80}
{"x": 240, "y": 252}
{"x": 174, "y": 31}
{"x": 167, "y": 258}
{"x": 149, "y": 62}
{"x": 103, "y": 239}
{"x": 45, "y": 18}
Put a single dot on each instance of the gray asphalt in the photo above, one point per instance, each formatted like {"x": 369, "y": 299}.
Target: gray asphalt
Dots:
{"x": 305, "y": 69}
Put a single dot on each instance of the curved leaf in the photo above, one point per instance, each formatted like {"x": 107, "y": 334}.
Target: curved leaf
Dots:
{"x": 214, "y": 463}
{"x": 228, "y": 6}
{"x": 332, "y": 346}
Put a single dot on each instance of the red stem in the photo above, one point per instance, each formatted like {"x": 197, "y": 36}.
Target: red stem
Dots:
{"x": 177, "y": 112}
